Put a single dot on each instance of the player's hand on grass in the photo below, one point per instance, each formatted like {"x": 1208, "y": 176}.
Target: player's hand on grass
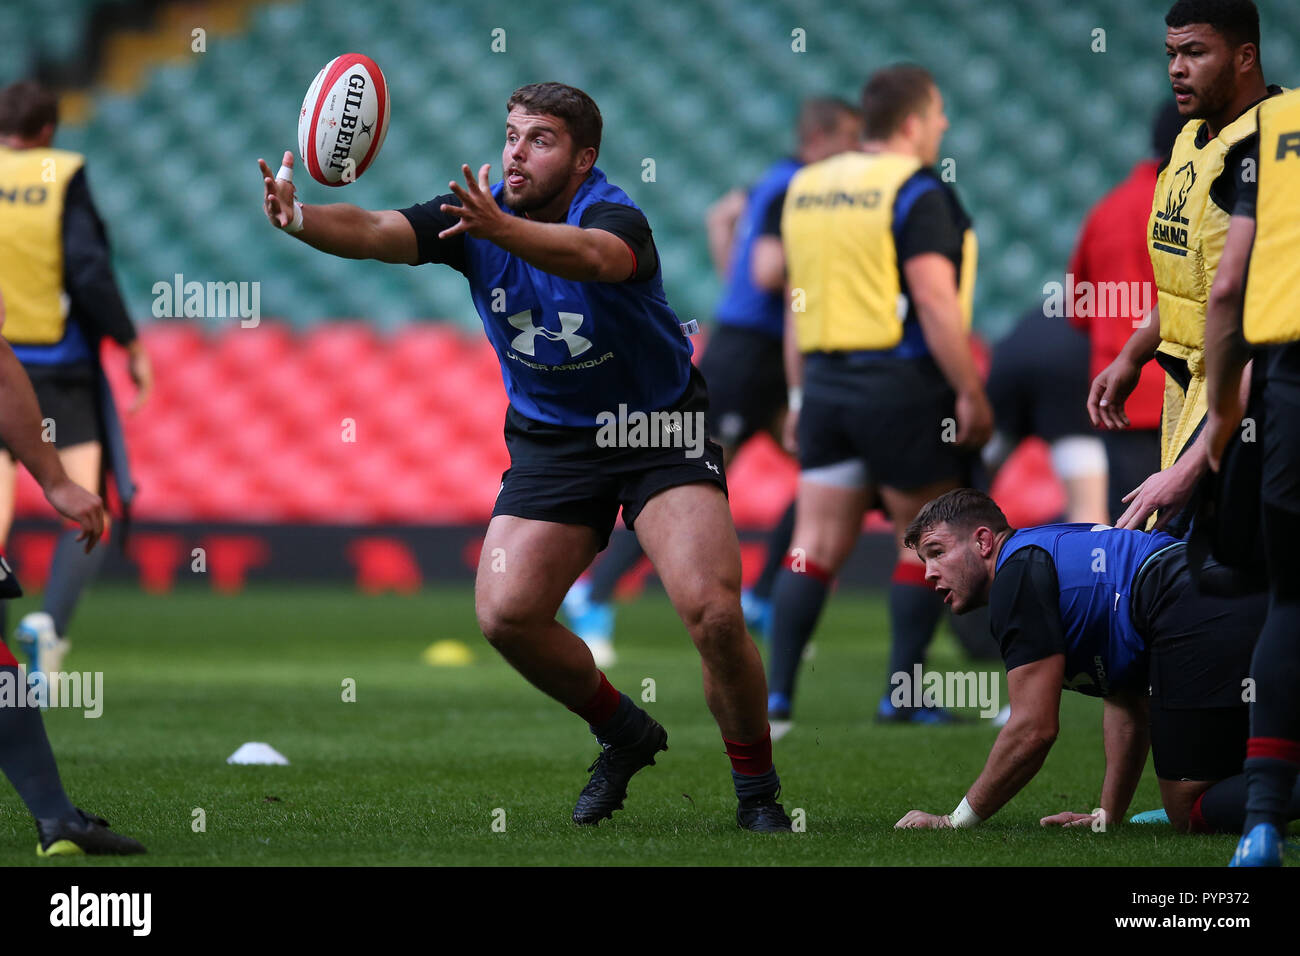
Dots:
{"x": 1069, "y": 819}
{"x": 278, "y": 201}
{"x": 1110, "y": 390}
{"x": 974, "y": 419}
{"x": 77, "y": 504}
{"x": 1166, "y": 491}
{"x": 479, "y": 214}
{"x": 920, "y": 820}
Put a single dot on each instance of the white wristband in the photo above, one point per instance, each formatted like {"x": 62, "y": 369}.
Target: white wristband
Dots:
{"x": 963, "y": 816}
{"x": 296, "y": 225}
{"x": 794, "y": 398}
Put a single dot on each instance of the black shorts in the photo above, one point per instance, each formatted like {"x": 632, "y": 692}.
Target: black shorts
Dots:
{"x": 891, "y": 414}
{"x": 746, "y": 375}
{"x": 71, "y": 398}
{"x": 576, "y": 476}
{"x": 1201, "y": 646}
{"x": 1038, "y": 383}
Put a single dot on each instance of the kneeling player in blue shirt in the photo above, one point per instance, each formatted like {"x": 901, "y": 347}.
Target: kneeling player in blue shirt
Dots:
{"x": 1113, "y": 614}
{"x": 565, "y": 276}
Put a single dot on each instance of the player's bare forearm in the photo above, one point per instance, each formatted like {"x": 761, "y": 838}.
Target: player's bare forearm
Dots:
{"x": 1226, "y": 351}
{"x": 1126, "y": 738}
{"x": 1142, "y": 344}
{"x": 581, "y": 255}
{"x": 721, "y": 226}
{"x": 350, "y": 232}
{"x": 1017, "y": 755}
{"x": 20, "y": 421}
{"x": 790, "y": 351}
{"x": 932, "y": 283}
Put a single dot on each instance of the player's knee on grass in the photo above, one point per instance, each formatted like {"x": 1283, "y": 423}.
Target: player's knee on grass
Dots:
{"x": 1178, "y": 796}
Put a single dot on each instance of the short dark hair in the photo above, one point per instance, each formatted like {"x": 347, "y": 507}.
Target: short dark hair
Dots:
{"x": 26, "y": 108}
{"x": 1236, "y": 20}
{"x": 822, "y": 114}
{"x": 576, "y": 108}
{"x": 892, "y": 95}
{"x": 963, "y": 509}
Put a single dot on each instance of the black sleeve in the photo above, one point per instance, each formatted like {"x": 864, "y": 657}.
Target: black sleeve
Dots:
{"x": 1024, "y": 608}
{"x": 630, "y": 225}
{"x": 88, "y": 268}
{"x": 1234, "y": 191}
{"x": 428, "y": 219}
{"x": 935, "y": 223}
{"x": 771, "y": 225}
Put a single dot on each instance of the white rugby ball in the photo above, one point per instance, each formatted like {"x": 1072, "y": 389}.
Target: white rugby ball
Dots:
{"x": 343, "y": 120}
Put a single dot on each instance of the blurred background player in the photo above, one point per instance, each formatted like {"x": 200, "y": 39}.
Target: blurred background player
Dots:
{"x": 1112, "y": 248}
{"x": 1264, "y": 241}
{"x": 743, "y": 364}
{"x": 57, "y": 279}
{"x": 1217, "y": 80}
{"x": 886, "y": 402}
{"x": 25, "y": 756}
{"x": 1038, "y": 384}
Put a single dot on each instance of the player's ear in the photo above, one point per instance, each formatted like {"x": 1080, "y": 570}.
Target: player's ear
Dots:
{"x": 586, "y": 158}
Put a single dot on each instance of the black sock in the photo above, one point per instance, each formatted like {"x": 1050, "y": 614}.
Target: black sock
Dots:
{"x": 25, "y": 755}
{"x": 1223, "y": 806}
{"x": 797, "y": 601}
{"x": 620, "y": 557}
{"x": 778, "y": 543}
{"x": 762, "y": 785}
{"x": 624, "y": 727}
{"x": 914, "y": 611}
{"x": 1270, "y": 788}
{"x": 70, "y": 572}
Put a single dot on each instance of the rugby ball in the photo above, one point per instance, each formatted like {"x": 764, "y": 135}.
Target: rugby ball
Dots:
{"x": 343, "y": 120}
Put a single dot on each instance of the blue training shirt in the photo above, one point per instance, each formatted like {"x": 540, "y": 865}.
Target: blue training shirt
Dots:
{"x": 1096, "y": 566}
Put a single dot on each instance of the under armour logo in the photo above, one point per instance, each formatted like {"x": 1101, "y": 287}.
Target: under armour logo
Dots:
{"x": 713, "y": 468}
{"x": 525, "y": 341}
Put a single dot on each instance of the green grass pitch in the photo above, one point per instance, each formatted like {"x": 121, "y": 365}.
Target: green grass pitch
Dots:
{"x": 416, "y": 770}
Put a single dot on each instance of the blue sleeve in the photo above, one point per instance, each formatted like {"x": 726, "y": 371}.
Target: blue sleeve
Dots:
{"x": 927, "y": 218}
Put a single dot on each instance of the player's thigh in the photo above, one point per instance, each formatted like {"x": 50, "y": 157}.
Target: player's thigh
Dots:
{"x": 689, "y": 537}
{"x": 1191, "y": 748}
{"x": 8, "y": 488}
{"x": 82, "y": 463}
{"x": 525, "y": 569}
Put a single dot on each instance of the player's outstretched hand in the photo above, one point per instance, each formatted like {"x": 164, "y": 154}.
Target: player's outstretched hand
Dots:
{"x": 77, "y": 504}
{"x": 1110, "y": 390}
{"x": 478, "y": 212}
{"x": 1068, "y": 819}
{"x": 920, "y": 820}
{"x": 278, "y": 201}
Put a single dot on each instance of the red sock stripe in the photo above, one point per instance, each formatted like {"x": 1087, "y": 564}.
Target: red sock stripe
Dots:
{"x": 1196, "y": 819}
{"x": 751, "y": 760}
{"x": 602, "y": 705}
{"x": 1277, "y": 748}
{"x": 801, "y": 565}
{"x": 905, "y": 572}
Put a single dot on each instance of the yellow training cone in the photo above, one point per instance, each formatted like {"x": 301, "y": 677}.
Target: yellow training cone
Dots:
{"x": 447, "y": 654}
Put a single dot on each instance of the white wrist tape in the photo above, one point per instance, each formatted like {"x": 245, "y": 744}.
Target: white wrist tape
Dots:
{"x": 963, "y": 816}
{"x": 296, "y": 224}
{"x": 285, "y": 173}
{"x": 794, "y": 398}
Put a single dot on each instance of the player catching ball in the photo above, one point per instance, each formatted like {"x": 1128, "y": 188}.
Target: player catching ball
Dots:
{"x": 565, "y": 276}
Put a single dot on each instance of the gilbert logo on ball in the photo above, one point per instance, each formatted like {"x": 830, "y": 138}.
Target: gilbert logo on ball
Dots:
{"x": 343, "y": 120}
